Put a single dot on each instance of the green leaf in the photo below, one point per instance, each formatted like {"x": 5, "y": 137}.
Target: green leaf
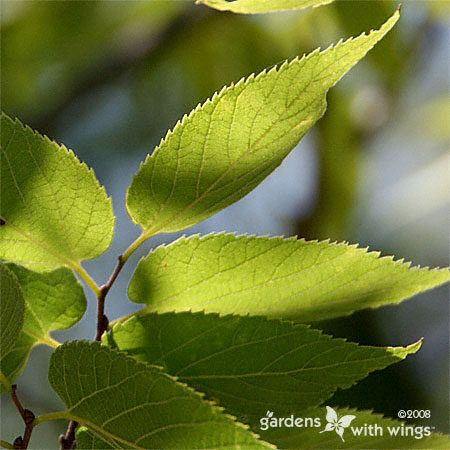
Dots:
{"x": 310, "y": 437}
{"x": 224, "y": 148}
{"x": 53, "y": 301}
{"x": 54, "y": 213}
{"x": 137, "y": 405}
{"x": 14, "y": 360}
{"x": 275, "y": 277}
{"x": 305, "y": 438}
{"x": 12, "y": 309}
{"x": 88, "y": 441}
{"x": 250, "y": 364}
{"x": 261, "y": 6}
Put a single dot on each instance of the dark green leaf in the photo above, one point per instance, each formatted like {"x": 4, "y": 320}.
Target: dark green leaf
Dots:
{"x": 250, "y": 364}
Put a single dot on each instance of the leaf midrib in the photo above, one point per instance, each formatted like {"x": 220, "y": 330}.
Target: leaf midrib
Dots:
{"x": 152, "y": 231}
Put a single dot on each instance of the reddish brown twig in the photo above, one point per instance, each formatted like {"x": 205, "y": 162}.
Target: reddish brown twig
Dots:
{"x": 21, "y": 442}
{"x": 102, "y": 320}
{"x": 67, "y": 440}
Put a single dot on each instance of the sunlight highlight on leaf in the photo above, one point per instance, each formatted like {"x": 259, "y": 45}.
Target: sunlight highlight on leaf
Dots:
{"x": 261, "y": 6}
{"x": 225, "y": 147}
{"x": 54, "y": 212}
{"x": 276, "y": 277}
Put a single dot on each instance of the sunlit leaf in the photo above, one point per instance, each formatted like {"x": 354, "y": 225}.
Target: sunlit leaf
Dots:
{"x": 276, "y": 277}
{"x": 227, "y": 146}
{"x": 54, "y": 212}
{"x": 53, "y": 301}
{"x": 261, "y": 6}
{"x": 137, "y": 405}
{"x": 12, "y": 309}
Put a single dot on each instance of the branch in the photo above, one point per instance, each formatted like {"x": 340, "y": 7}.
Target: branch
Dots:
{"x": 21, "y": 442}
{"x": 102, "y": 320}
{"x": 67, "y": 440}
{"x": 107, "y": 73}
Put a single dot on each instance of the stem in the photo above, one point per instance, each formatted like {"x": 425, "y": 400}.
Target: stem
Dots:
{"x": 30, "y": 422}
{"x": 16, "y": 401}
{"x": 102, "y": 320}
{"x": 67, "y": 440}
{"x": 57, "y": 415}
{"x": 123, "y": 64}
{"x": 29, "y": 425}
{"x": 49, "y": 341}
{"x": 6, "y": 444}
{"x": 127, "y": 253}
{"x": 28, "y": 417}
{"x": 86, "y": 278}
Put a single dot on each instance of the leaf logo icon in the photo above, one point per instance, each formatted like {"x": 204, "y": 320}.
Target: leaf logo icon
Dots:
{"x": 338, "y": 424}
{"x": 269, "y": 414}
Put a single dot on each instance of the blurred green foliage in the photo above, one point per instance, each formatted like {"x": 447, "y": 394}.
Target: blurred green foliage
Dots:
{"x": 48, "y": 46}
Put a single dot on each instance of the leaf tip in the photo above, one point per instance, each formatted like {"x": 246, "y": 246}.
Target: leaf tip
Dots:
{"x": 403, "y": 352}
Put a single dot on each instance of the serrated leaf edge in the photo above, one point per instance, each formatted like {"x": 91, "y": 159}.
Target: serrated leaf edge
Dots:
{"x": 63, "y": 149}
{"x": 375, "y": 254}
{"x": 399, "y": 352}
{"x": 216, "y": 409}
{"x": 229, "y": 9}
{"x": 250, "y": 79}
